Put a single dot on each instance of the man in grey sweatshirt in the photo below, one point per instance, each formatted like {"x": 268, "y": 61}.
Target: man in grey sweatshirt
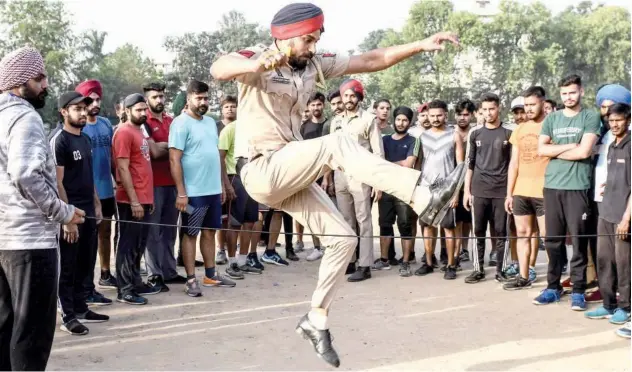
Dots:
{"x": 30, "y": 216}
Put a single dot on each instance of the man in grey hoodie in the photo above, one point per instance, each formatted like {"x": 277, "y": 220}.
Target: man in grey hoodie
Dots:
{"x": 30, "y": 216}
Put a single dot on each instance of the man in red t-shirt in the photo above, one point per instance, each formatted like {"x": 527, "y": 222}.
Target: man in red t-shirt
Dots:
{"x": 161, "y": 264}
{"x": 134, "y": 199}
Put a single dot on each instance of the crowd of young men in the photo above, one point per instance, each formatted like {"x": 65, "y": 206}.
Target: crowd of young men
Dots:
{"x": 541, "y": 171}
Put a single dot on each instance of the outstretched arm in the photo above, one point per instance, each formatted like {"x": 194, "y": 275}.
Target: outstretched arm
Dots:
{"x": 383, "y": 58}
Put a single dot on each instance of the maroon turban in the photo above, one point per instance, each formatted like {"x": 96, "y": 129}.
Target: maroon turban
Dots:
{"x": 354, "y": 85}
{"x": 88, "y": 87}
{"x": 297, "y": 19}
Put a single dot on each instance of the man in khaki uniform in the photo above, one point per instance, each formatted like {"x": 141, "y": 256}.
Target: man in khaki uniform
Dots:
{"x": 354, "y": 197}
{"x": 275, "y": 83}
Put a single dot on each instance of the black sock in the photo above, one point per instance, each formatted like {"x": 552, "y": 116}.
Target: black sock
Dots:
{"x": 270, "y": 251}
{"x": 190, "y": 277}
{"x": 384, "y": 259}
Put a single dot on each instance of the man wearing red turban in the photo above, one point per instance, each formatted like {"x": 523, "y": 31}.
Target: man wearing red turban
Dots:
{"x": 275, "y": 83}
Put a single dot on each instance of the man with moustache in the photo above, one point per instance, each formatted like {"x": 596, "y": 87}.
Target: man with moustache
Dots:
{"x": 275, "y": 82}
{"x": 567, "y": 138}
{"x": 100, "y": 131}
{"x": 518, "y": 111}
{"x": 422, "y": 123}
{"x": 72, "y": 153}
{"x": 32, "y": 212}
{"x": 525, "y": 200}
{"x": 486, "y": 186}
{"x": 464, "y": 110}
{"x": 198, "y": 174}
{"x": 402, "y": 149}
{"x": 336, "y": 106}
{"x": 161, "y": 263}
{"x": 442, "y": 150}
{"x": 134, "y": 200}
{"x": 354, "y": 198}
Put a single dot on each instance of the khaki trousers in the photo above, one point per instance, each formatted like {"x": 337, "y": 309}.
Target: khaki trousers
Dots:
{"x": 286, "y": 180}
{"x": 354, "y": 202}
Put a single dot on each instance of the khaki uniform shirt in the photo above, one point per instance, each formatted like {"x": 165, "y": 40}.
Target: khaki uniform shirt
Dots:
{"x": 363, "y": 126}
{"x": 271, "y": 103}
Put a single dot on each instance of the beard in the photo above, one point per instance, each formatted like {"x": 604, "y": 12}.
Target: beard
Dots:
{"x": 157, "y": 109}
{"x": 436, "y": 124}
{"x": 79, "y": 124}
{"x": 463, "y": 124}
{"x": 37, "y": 100}
{"x": 401, "y": 131}
{"x": 299, "y": 63}
{"x": 200, "y": 110}
{"x": 94, "y": 111}
{"x": 350, "y": 106}
{"x": 139, "y": 120}
{"x": 317, "y": 114}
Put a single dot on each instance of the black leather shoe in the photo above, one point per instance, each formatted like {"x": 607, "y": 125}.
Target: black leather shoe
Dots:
{"x": 442, "y": 191}
{"x": 290, "y": 255}
{"x": 362, "y": 273}
{"x": 321, "y": 340}
{"x": 351, "y": 268}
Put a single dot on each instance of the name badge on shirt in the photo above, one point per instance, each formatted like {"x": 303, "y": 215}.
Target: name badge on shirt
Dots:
{"x": 622, "y": 161}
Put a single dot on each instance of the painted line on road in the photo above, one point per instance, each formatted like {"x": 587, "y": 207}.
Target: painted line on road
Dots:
{"x": 438, "y": 311}
{"x": 290, "y": 304}
{"x": 431, "y": 298}
{"x": 133, "y": 310}
{"x": 163, "y": 336}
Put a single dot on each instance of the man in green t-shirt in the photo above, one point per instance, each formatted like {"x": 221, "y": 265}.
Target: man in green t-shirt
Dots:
{"x": 241, "y": 209}
{"x": 568, "y": 137}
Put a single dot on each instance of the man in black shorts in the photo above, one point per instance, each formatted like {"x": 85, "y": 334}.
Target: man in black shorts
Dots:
{"x": 464, "y": 110}
{"x": 486, "y": 185}
{"x": 77, "y": 244}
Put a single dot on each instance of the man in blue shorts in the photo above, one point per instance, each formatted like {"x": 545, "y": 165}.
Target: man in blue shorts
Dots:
{"x": 196, "y": 169}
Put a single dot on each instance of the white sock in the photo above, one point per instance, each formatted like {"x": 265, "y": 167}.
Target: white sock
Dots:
{"x": 241, "y": 259}
{"x": 231, "y": 260}
{"x": 318, "y": 320}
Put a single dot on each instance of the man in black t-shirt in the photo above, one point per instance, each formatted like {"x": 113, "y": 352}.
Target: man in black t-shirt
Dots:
{"x": 403, "y": 149}
{"x": 485, "y": 186}
{"x": 72, "y": 153}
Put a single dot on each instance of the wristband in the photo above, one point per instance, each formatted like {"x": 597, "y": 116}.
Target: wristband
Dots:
{"x": 182, "y": 196}
{"x": 136, "y": 204}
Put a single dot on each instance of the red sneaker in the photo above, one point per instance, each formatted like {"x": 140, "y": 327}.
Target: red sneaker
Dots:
{"x": 593, "y": 297}
{"x": 567, "y": 286}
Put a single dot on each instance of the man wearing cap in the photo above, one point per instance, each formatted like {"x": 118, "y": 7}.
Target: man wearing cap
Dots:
{"x": 100, "y": 131}
{"x": 31, "y": 212}
{"x": 517, "y": 110}
{"x": 72, "y": 153}
{"x": 354, "y": 197}
{"x": 134, "y": 200}
{"x": 275, "y": 83}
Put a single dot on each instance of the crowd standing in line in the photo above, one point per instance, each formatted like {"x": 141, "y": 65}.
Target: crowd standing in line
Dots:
{"x": 552, "y": 171}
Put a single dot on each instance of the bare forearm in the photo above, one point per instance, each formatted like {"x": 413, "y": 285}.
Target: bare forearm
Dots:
{"x": 62, "y": 192}
{"x": 553, "y": 151}
{"x": 128, "y": 185}
{"x": 158, "y": 150}
{"x": 628, "y": 211}
{"x": 576, "y": 153}
{"x": 467, "y": 185}
{"x": 96, "y": 201}
{"x": 176, "y": 173}
{"x": 383, "y": 58}
{"x": 511, "y": 178}
{"x": 229, "y": 67}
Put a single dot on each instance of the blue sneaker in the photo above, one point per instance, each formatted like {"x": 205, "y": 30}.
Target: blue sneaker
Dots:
{"x": 548, "y": 296}
{"x": 253, "y": 261}
{"x": 624, "y": 331}
{"x": 532, "y": 275}
{"x": 599, "y": 313}
{"x": 512, "y": 270}
{"x": 578, "y": 302}
{"x": 620, "y": 316}
{"x": 274, "y": 258}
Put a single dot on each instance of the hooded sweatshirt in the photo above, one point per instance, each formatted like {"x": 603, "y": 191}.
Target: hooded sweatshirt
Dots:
{"x": 30, "y": 208}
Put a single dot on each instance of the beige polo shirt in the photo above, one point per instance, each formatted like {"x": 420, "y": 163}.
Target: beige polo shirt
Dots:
{"x": 271, "y": 103}
{"x": 363, "y": 126}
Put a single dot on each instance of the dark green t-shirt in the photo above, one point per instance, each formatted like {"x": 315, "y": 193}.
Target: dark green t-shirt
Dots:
{"x": 569, "y": 174}
{"x": 387, "y": 130}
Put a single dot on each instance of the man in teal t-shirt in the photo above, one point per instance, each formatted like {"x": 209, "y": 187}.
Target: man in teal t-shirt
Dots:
{"x": 568, "y": 137}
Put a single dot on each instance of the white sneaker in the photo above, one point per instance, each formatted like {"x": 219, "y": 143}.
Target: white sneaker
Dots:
{"x": 314, "y": 255}
{"x": 299, "y": 247}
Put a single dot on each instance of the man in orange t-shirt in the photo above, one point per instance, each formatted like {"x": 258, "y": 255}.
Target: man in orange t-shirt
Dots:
{"x": 525, "y": 184}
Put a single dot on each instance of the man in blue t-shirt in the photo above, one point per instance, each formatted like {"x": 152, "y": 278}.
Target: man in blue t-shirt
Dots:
{"x": 403, "y": 149}
{"x": 198, "y": 174}
{"x": 99, "y": 129}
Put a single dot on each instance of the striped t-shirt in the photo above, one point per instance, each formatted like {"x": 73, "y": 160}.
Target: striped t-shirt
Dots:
{"x": 439, "y": 154}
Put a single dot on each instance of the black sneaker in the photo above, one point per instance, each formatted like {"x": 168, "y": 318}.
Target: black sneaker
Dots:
{"x": 444, "y": 267}
{"x": 351, "y": 268}
{"x": 502, "y": 277}
{"x": 92, "y": 317}
{"x": 97, "y": 299}
{"x": 234, "y": 272}
{"x": 425, "y": 269}
{"x": 131, "y": 299}
{"x": 435, "y": 261}
{"x": 493, "y": 258}
{"x": 290, "y": 255}
{"x": 464, "y": 256}
{"x": 75, "y": 328}
{"x": 107, "y": 282}
{"x": 450, "y": 273}
{"x": 178, "y": 279}
{"x": 518, "y": 284}
{"x": 253, "y": 261}
{"x": 156, "y": 281}
{"x": 475, "y": 277}
{"x": 393, "y": 261}
{"x": 147, "y": 289}
{"x": 363, "y": 273}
